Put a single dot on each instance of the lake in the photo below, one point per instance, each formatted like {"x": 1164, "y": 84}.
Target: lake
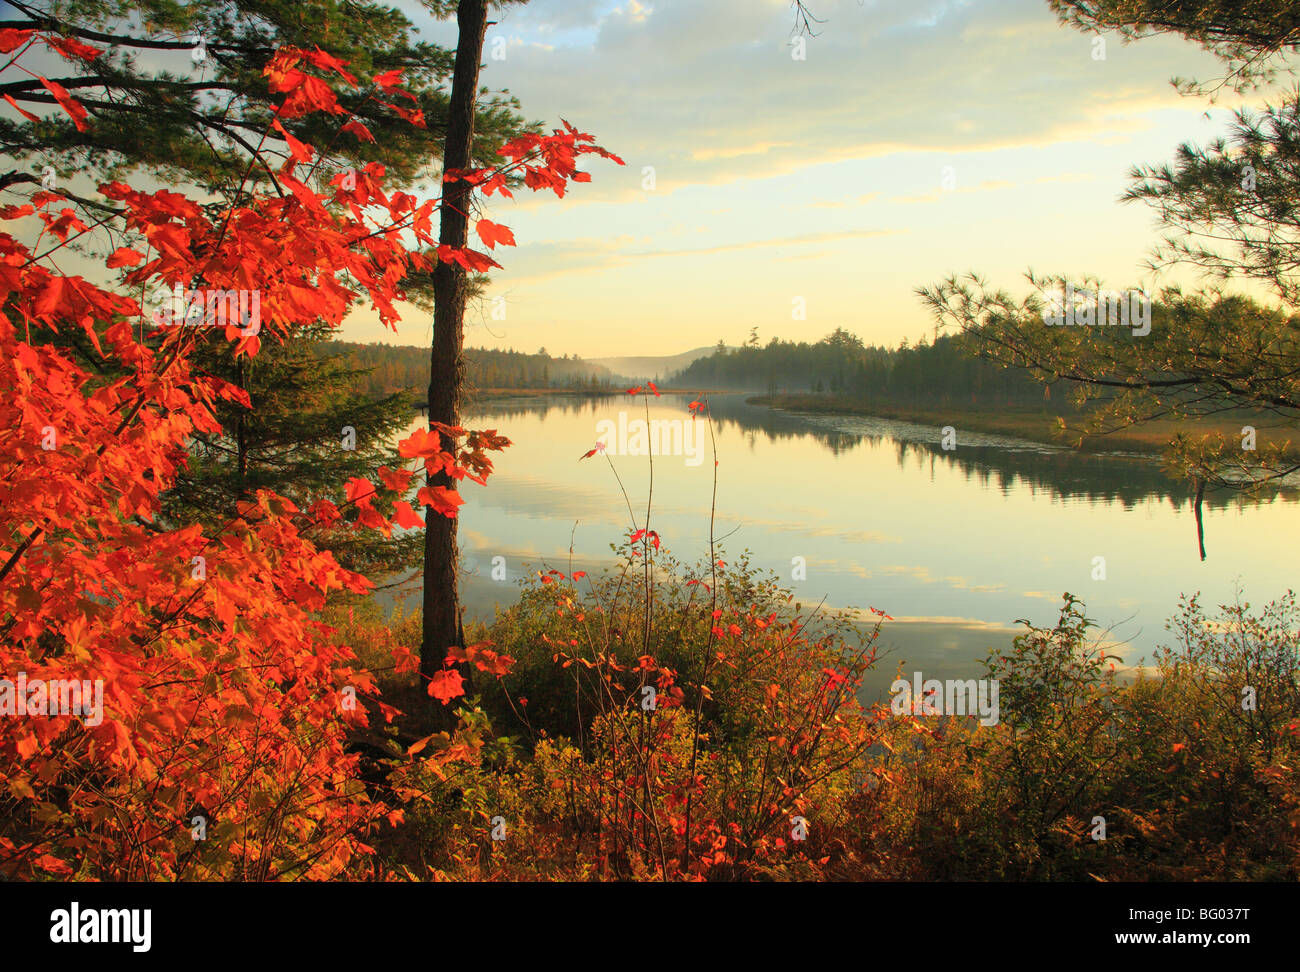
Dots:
{"x": 954, "y": 545}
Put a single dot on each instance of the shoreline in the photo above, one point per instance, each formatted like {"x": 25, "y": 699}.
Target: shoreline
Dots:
{"x": 1148, "y": 439}
{"x": 495, "y": 394}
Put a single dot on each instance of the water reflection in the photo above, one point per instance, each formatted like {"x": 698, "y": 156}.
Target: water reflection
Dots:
{"x": 956, "y": 545}
{"x": 988, "y": 461}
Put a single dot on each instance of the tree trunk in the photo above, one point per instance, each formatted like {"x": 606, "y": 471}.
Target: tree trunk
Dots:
{"x": 1200, "y": 523}
{"x": 442, "y": 624}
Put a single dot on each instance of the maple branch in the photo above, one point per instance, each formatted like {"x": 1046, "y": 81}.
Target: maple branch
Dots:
{"x": 71, "y": 237}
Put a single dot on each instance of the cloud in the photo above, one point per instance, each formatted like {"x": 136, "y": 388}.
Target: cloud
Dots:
{"x": 549, "y": 260}
{"x": 733, "y": 152}
{"x": 708, "y": 93}
{"x": 775, "y": 241}
{"x": 929, "y": 197}
{"x": 742, "y": 138}
{"x": 1068, "y": 177}
{"x": 861, "y": 200}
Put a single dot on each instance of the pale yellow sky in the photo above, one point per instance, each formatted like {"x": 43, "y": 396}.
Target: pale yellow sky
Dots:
{"x": 912, "y": 140}
{"x": 801, "y": 190}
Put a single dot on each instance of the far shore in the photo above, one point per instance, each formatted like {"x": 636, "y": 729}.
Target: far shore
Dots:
{"x": 1037, "y": 425}
{"x": 490, "y": 394}
{"x": 1034, "y": 425}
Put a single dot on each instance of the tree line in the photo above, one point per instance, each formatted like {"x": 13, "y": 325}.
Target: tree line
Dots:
{"x": 940, "y": 373}
{"x": 385, "y": 369}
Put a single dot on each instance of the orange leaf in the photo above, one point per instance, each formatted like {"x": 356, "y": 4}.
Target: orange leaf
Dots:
{"x": 26, "y": 114}
{"x": 446, "y": 685}
{"x": 12, "y": 39}
{"x": 493, "y": 233}
{"x": 301, "y": 151}
{"x": 404, "y": 516}
{"x": 71, "y": 48}
{"x": 124, "y": 257}
{"x": 359, "y": 130}
{"x": 74, "y": 110}
{"x": 443, "y": 500}
{"x": 422, "y": 443}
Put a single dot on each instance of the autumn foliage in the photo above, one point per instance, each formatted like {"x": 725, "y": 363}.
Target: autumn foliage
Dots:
{"x": 227, "y": 704}
{"x": 662, "y": 721}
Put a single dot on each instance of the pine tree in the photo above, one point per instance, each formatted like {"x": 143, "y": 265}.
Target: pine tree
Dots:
{"x": 311, "y": 427}
{"x": 178, "y": 99}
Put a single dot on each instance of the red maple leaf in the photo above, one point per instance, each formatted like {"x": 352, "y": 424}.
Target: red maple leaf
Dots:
{"x": 360, "y": 490}
{"x": 493, "y": 233}
{"x": 124, "y": 257}
{"x": 22, "y": 111}
{"x": 404, "y": 516}
{"x": 359, "y": 130}
{"x": 306, "y": 93}
{"x": 396, "y": 479}
{"x": 301, "y": 151}
{"x": 321, "y": 59}
{"x": 440, "y": 498}
{"x": 421, "y": 443}
{"x": 446, "y": 685}
{"x": 66, "y": 102}
{"x": 71, "y": 48}
{"x": 11, "y": 39}
{"x": 389, "y": 79}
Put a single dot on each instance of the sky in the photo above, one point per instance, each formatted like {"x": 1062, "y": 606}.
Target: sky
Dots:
{"x": 798, "y": 184}
{"x": 910, "y": 141}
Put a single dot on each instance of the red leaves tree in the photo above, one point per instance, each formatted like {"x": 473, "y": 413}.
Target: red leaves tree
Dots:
{"x": 220, "y": 748}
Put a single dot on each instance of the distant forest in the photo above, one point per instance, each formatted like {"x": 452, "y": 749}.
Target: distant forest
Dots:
{"x": 939, "y": 373}
{"x": 396, "y": 368}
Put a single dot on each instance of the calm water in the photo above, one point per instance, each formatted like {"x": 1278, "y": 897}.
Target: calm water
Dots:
{"x": 955, "y": 545}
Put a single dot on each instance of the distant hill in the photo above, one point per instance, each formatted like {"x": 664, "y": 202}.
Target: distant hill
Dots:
{"x": 396, "y": 368}
{"x": 652, "y": 367}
